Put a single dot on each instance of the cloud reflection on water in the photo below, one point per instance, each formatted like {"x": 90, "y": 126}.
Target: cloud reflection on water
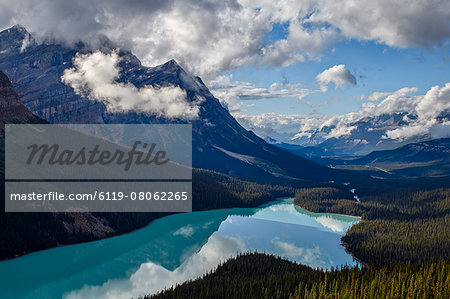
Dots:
{"x": 280, "y": 229}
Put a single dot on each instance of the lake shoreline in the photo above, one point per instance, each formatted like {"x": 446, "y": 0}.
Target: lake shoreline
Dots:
{"x": 142, "y": 227}
{"x": 343, "y": 244}
{"x": 180, "y": 247}
{"x": 82, "y": 242}
{"x": 357, "y": 217}
{"x": 128, "y": 232}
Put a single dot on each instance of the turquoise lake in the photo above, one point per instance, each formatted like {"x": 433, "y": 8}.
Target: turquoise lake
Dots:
{"x": 174, "y": 249}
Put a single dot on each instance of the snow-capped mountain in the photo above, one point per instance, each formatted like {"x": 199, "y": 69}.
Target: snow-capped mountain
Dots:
{"x": 363, "y": 136}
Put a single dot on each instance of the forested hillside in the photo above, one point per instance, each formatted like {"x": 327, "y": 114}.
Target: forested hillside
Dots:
{"x": 263, "y": 276}
{"x": 397, "y": 226}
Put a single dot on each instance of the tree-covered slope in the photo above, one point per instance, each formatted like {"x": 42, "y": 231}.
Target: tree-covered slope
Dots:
{"x": 262, "y": 276}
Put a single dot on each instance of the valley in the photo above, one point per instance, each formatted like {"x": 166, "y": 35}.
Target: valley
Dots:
{"x": 354, "y": 205}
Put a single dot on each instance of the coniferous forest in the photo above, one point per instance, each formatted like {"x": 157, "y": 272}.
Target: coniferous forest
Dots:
{"x": 402, "y": 243}
{"x": 263, "y": 276}
{"x": 397, "y": 226}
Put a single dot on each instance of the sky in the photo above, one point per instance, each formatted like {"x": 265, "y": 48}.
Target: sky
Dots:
{"x": 280, "y": 67}
{"x": 375, "y": 67}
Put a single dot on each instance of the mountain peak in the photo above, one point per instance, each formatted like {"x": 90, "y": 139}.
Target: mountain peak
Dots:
{"x": 18, "y": 28}
{"x": 172, "y": 61}
{"x": 171, "y": 65}
{"x": 16, "y": 31}
{"x": 15, "y": 40}
{"x": 175, "y": 74}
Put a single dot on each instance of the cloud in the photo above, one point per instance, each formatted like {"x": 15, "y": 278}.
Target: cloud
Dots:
{"x": 94, "y": 76}
{"x": 333, "y": 224}
{"x": 208, "y": 37}
{"x": 375, "y": 96}
{"x": 297, "y": 128}
{"x": 441, "y": 130}
{"x": 397, "y": 24}
{"x": 278, "y": 126}
{"x": 308, "y": 256}
{"x": 28, "y": 40}
{"x": 340, "y": 131}
{"x": 427, "y": 109}
{"x": 230, "y": 93}
{"x": 397, "y": 101}
{"x": 338, "y": 75}
{"x": 301, "y": 44}
{"x": 325, "y": 103}
{"x": 427, "y": 114}
{"x": 422, "y": 112}
{"x": 185, "y": 231}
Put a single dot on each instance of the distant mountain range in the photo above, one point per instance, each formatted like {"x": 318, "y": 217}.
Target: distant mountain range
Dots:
{"x": 365, "y": 137}
{"x": 220, "y": 143}
{"x": 422, "y": 159}
{"x": 427, "y": 151}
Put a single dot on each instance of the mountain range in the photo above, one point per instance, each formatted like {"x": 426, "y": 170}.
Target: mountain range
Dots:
{"x": 220, "y": 143}
{"x": 367, "y": 135}
{"x": 38, "y": 231}
{"x": 429, "y": 158}
{"x": 422, "y": 159}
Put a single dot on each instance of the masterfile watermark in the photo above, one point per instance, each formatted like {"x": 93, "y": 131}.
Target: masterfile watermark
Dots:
{"x": 108, "y": 168}
{"x": 52, "y": 154}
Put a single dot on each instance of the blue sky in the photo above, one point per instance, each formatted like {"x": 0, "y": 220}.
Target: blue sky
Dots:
{"x": 376, "y": 67}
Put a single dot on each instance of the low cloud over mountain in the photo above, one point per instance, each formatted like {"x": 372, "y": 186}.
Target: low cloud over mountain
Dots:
{"x": 94, "y": 76}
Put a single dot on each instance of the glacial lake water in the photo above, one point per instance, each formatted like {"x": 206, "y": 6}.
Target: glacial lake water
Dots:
{"x": 174, "y": 249}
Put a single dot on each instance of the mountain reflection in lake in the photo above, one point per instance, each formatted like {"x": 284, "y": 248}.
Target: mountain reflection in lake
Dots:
{"x": 175, "y": 249}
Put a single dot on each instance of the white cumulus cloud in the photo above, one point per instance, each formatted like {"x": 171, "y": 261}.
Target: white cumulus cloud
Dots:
{"x": 427, "y": 109}
{"x": 338, "y": 75}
